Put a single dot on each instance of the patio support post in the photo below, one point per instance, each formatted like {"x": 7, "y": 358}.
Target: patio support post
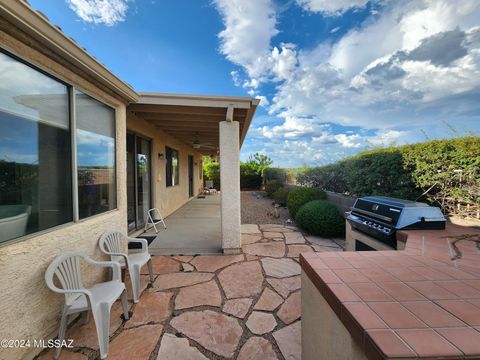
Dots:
{"x": 230, "y": 186}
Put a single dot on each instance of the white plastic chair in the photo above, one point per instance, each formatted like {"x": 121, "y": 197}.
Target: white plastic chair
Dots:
{"x": 154, "y": 221}
{"x": 113, "y": 243}
{"x": 99, "y": 298}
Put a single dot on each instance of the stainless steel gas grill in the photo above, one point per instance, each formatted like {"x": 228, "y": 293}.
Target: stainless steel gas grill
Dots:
{"x": 380, "y": 217}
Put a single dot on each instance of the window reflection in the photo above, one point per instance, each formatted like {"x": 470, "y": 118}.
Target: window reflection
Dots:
{"x": 95, "y": 156}
{"x": 172, "y": 168}
{"x": 35, "y": 151}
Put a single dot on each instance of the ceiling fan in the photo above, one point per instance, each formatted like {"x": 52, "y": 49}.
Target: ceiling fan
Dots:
{"x": 197, "y": 144}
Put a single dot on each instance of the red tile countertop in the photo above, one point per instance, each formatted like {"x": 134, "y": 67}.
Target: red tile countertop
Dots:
{"x": 415, "y": 303}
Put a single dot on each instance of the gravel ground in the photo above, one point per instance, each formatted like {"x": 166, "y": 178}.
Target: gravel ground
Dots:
{"x": 254, "y": 211}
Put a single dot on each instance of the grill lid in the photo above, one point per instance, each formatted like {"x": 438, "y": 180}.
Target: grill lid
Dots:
{"x": 398, "y": 213}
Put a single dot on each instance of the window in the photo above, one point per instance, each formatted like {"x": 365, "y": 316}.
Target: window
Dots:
{"x": 36, "y": 172}
{"x": 35, "y": 151}
{"x": 172, "y": 166}
{"x": 95, "y": 156}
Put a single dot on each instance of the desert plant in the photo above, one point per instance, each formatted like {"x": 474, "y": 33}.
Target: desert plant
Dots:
{"x": 319, "y": 217}
{"x": 259, "y": 161}
{"x": 272, "y": 186}
{"x": 278, "y": 174}
{"x": 280, "y": 196}
{"x": 300, "y": 196}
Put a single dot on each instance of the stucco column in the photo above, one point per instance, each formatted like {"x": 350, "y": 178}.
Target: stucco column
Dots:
{"x": 230, "y": 186}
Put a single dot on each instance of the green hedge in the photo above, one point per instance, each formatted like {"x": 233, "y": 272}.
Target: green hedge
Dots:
{"x": 300, "y": 196}
{"x": 250, "y": 178}
{"x": 321, "y": 218}
{"x": 211, "y": 171}
{"x": 277, "y": 174}
{"x": 448, "y": 169}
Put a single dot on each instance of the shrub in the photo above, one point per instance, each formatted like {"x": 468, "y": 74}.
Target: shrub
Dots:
{"x": 250, "y": 181}
{"x": 300, "y": 196}
{"x": 330, "y": 177}
{"x": 272, "y": 186}
{"x": 278, "y": 174}
{"x": 445, "y": 171}
{"x": 211, "y": 171}
{"x": 280, "y": 196}
{"x": 250, "y": 178}
{"x": 319, "y": 217}
{"x": 380, "y": 173}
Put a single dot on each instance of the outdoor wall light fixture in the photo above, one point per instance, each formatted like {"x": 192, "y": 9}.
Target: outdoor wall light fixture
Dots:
{"x": 161, "y": 156}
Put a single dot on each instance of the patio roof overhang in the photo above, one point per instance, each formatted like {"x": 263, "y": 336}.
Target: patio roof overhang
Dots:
{"x": 194, "y": 119}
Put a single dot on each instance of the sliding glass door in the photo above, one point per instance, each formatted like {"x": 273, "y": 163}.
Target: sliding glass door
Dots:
{"x": 138, "y": 180}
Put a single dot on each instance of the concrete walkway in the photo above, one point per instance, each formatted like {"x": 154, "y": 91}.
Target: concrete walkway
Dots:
{"x": 193, "y": 229}
{"x": 243, "y": 307}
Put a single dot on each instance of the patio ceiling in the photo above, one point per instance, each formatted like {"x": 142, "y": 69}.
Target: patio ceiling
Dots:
{"x": 194, "y": 118}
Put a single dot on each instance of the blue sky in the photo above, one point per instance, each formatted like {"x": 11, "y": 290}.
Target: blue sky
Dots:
{"x": 335, "y": 77}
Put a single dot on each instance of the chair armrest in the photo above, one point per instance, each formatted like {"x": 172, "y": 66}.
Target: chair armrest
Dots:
{"x": 124, "y": 255}
{"x": 139, "y": 240}
{"x": 116, "y": 269}
{"x": 56, "y": 289}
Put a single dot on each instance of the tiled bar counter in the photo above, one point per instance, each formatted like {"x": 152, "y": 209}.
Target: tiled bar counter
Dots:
{"x": 409, "y": 304}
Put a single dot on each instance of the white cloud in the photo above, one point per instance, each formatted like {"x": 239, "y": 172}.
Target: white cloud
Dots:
{"x": 263, "y": 100}
{"x": 108, "y": 12}
{"x": 331, "y": 7}
{"x": 335, "y": 29}
{"x": 404, "y": 69}
{"x": 249, "y": 26}
{"x": 292, "y": 128}
{"x": 363, "y": 83}
{"x": 348, "y": 141}
{"x": 387, "y": 138}
{"x": 282, "y": 61}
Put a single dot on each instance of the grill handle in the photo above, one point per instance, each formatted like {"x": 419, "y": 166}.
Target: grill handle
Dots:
{"x": 374, "y": 215}
{"x": 424, "y": 219}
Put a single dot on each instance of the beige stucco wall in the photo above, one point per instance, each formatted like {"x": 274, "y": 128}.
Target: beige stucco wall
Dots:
{"x": 28, "y": 309}
{"x": 324, "y": 337}
{"x": 167, "y": 199}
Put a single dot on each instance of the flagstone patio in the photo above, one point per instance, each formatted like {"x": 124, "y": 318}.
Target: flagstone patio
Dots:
{"x": 213, "y": 307}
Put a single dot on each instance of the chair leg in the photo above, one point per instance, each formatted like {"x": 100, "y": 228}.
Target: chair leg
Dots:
{"x": 135, "y": 278}
{"x": 123, "y": 273}
{"x": 124, "y": 299}
{"x": 61, "y": 332}
{"x": 102, "y": 324}
{"x": 150, "y": 270}
{"x": 85, "y": 317}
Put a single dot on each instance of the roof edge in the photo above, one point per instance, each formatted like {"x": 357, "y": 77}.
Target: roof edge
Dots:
{"x": 157, "y": 98}
{"x": 35, "y": 24}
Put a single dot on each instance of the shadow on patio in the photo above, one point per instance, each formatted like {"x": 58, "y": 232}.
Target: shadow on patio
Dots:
{"x": 244, "y": 307}
{"x": 193, "y": 229}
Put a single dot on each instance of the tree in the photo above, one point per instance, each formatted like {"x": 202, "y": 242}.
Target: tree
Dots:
{"x": 260, "y": 161}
